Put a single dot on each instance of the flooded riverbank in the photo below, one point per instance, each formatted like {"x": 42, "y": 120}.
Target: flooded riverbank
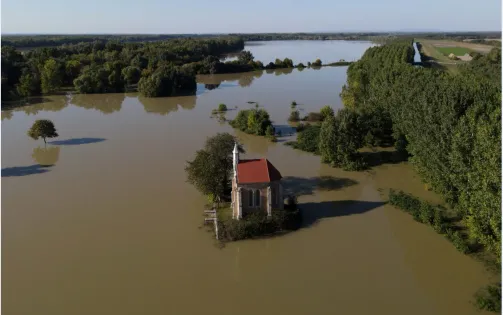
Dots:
{"x": 113, "y": 227}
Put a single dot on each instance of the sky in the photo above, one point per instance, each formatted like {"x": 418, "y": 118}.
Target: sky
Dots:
{"x": 238, "y": 16}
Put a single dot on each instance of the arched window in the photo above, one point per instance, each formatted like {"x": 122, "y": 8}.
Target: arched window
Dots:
{"x": 250, "y": 198}
{"x": 257, "y": 198}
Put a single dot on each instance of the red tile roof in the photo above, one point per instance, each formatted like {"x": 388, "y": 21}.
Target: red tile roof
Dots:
{"x": 257, "y": 171}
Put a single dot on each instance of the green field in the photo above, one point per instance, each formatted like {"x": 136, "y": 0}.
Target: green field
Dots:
{"x": 458, "y": 51}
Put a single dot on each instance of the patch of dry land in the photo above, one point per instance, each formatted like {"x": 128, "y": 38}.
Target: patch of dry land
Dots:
{"x": 483, "y": 49}
{"x": 437, "y": 52}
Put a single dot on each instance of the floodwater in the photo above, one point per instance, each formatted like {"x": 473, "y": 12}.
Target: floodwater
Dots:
{"x": 417, "y": 55}
{"x": 306, "y": 50}
{"x": 102, "y": 221}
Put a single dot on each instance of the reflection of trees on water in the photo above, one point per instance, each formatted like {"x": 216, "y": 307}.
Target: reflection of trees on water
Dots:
{"x": 33, "y": 105}
{"x": 244, "y": 79}
{"x": 283, "y": 71}
{"x": 165, "y": 105}
{"x": 211, "y": 86}
{"x": 46, "y": 156}
{"x": 105, "y": 103}
{"x": 6, "y": 114}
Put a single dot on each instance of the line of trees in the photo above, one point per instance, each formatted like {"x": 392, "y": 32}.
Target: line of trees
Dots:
{"x": 449, "y": 125}
{"x": 35, "y": 41}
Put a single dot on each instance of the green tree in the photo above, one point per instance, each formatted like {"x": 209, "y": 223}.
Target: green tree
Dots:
{"x": 340, "y": 138}
{"x": 328, "y": 140}
{"x": 326, "y": 111}
{"x": 167, "y": 81}
{"x": 51, "y": 78}
{"x": 42, "y": 128}
{"x": 211, "y": 170}
{"x": 245, "y": 57}
{"x": 28, "y": 85}
{"x": 72, "y": 70}
{"x": 131, "y": 74}
{"x": 317, "y": 63}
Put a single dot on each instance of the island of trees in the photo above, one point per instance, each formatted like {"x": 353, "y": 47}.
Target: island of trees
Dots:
{"x": 162, "y": 68}
{"x": 210, "y": 172}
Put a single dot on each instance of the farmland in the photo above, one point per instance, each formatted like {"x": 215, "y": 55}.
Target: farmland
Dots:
{"x": 458, "y": 51}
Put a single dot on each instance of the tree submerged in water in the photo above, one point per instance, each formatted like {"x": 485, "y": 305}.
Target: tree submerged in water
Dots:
{"x": 210, "y": 171}
{"x": 42, "y": 128}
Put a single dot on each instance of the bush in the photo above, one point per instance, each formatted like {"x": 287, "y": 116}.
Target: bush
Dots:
{"x": 316, "y": 63}
{"x": 326, "y": 111}
{"x": 293, "y": 105}
{"x": 457, "y": 240}
{"x": 252, "y": 121}
{"x": 222, "y": 108}
{"x": 428, "y": 214}
{"x": 270, "y": 134}
{"x": 259, "y": 224}
{"x": 301, "y": 65}
{"x": 489, "y": 298}
{"x": 294, "y": 116}
{"x": 308, "y": 138}
{"x": 313, "y": 117}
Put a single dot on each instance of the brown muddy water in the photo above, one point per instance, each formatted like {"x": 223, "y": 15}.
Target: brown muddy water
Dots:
{"x": 113, "y": 228}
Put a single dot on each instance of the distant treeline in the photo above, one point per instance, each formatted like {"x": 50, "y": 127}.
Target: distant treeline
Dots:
{"x": 307, "y": 36}
{"x": 32, "y": 41}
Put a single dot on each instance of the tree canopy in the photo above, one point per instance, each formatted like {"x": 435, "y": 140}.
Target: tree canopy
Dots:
{"x": 210, "y": 171}
{"x": 42, "y": 128}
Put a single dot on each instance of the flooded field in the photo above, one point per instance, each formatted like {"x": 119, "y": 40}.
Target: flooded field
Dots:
{"x": 113, "y": 228}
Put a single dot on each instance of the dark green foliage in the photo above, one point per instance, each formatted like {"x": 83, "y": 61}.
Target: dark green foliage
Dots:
{"x": 252, "y": 121}
{"x": 211, "y": 168}
{"x": 489, "y": 298}
{"x": 12, "y": 69}
{"x": 428, "y": 214}
{"x": 457, "y": 240}
{"x": 131, "y": 74}
{"x": 285, "y": 63}
{"x": 317, "y": 63}
{"x": 294, "y": 116}
{"x": 301, "y": 65}
{"x": 108, "y": 66}
{"x": 28, "y": 85}
{"x": 326, "y": 111}
{"x": 222, "y": 107}
{"x": 167, "y": 81}
{"x": 42, "y": 128}
{"x": 340, "y": 138}
{"x": 245, "y": 57}
{"x": 258, "y": 224}
{"x": 308, "y": 139}
{"x": 96, "y": 79}
{"x": 51, "y": 76}
{"x": 448, "y": 125}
